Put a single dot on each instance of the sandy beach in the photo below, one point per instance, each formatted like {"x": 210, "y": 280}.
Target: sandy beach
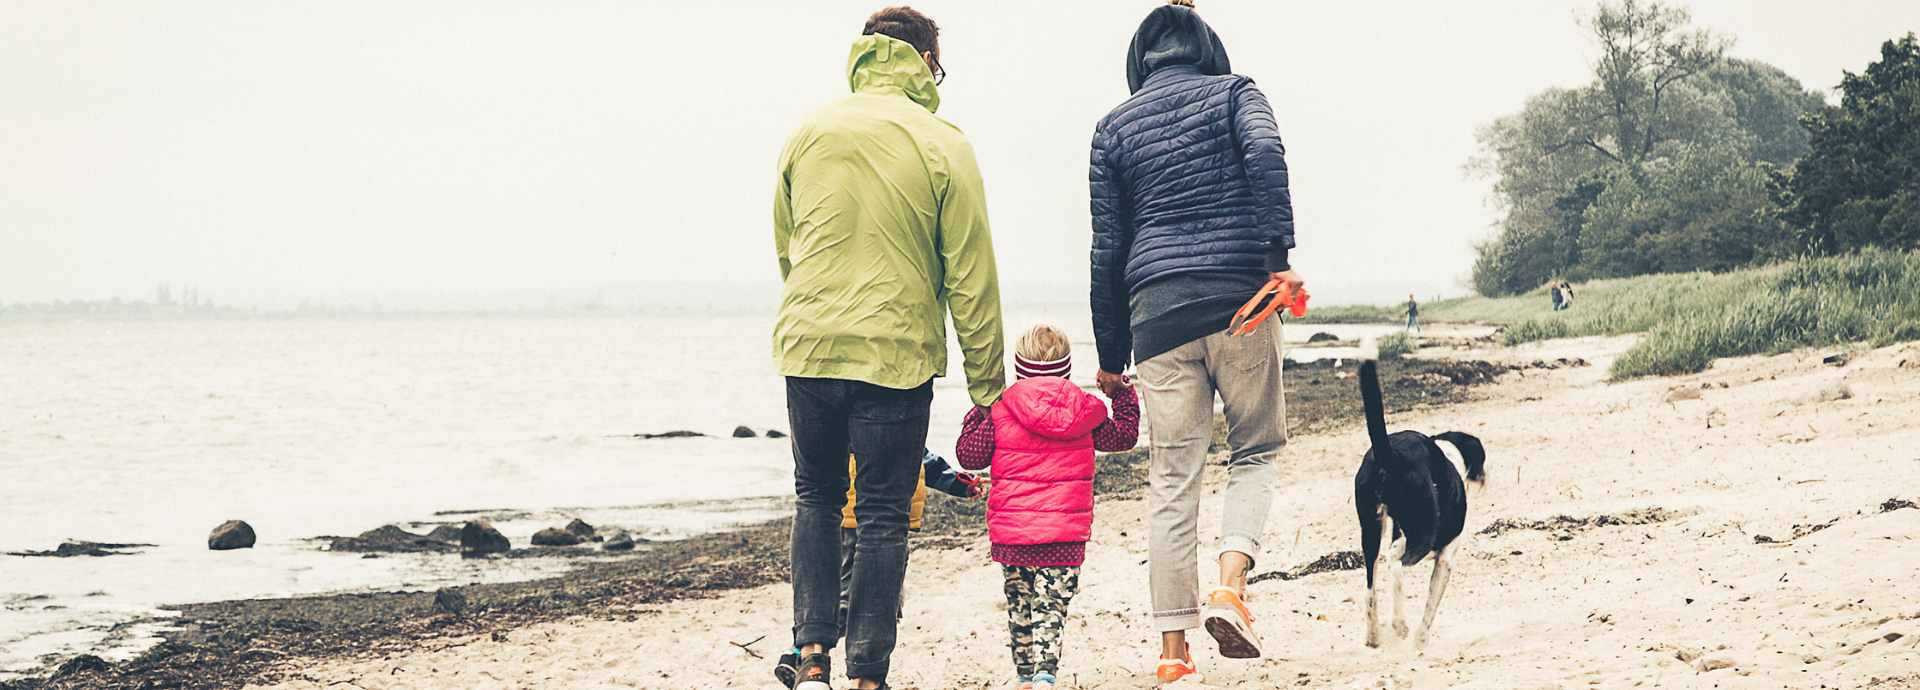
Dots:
{"x": 1744, "y": 527}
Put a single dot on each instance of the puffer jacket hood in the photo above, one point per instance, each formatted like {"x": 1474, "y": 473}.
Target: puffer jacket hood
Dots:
{"x": 1054, "y": 408}
{"x": 1174, "y": 35}
{"x": 880, "y": 62}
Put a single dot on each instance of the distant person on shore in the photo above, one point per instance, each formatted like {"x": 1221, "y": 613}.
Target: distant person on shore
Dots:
{"x": 1566, "y": 295}
{"x": 880, "y": 227}
{"x": 1559, "y": 298}
{"x": 1039, "y": 440}
{"x": 1192, "y": 216}
{"x": 1413, "y": 314}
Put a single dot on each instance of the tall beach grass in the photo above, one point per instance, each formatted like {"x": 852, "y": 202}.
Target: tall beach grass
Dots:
{"x": 1691, "y": 319}
{"x": 1871, "y": 297}
{"x": 1395, "y": 345}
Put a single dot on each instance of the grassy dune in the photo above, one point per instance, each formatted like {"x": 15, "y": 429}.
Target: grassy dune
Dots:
{"x": 1691, "y": 319}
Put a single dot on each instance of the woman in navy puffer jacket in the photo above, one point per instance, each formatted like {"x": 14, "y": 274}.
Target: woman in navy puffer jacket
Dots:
{"x": 1191, "y": 216}
{"x": 1188, "y": 177}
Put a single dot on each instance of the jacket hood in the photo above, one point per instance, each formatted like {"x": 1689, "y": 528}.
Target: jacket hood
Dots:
{"x": 881, "y": 63}
{"x": 1053, "y": 407}
{"x": 1171, "y": 36}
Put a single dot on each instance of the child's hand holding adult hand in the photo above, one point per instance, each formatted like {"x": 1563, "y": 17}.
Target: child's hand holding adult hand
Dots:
{"x": 1111, "y": 383}
{"x": 976, "y": 484}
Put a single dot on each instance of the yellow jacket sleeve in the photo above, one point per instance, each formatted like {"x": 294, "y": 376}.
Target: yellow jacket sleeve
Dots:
{"x": 783, "y": 211}
{"x": 972, "y": 284}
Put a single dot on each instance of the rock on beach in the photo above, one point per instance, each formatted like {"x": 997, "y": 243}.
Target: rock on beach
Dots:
{"x": 232, "y": 534}
{"x": 393, "y": 539}
{"x": 478, "y": 538}
{"x": 554, "y": 536}
{"x": 581, "y": 529}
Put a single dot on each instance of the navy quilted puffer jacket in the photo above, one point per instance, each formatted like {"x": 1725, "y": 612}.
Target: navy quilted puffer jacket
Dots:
{"x": 1188, "y": 175}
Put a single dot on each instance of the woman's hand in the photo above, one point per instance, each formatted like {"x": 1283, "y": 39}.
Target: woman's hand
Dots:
{"x": 1291, "y": 278}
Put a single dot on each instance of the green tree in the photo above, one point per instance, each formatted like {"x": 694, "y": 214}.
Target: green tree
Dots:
{"x": 1767, "y": 103}
{"x": 1860, "y": 184}
{"x": 1646, "y": 48}
{"x": 1660, "y": 163}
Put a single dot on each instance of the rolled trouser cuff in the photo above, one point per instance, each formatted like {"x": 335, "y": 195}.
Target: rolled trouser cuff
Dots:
{"x": 816, "y": 633}
{"x": 1243, "y": 545}
{"x": 876, "y": 672}
{"x": 1176, "y": 621}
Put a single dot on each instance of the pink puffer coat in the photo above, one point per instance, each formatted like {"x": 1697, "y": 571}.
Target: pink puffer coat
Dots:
{"x": 1043, "y": 463}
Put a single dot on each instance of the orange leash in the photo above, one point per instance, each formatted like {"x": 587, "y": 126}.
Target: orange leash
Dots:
{"x": 1247, "y": 319}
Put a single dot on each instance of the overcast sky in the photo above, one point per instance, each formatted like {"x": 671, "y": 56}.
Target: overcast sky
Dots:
{"x": 344, "y": 150}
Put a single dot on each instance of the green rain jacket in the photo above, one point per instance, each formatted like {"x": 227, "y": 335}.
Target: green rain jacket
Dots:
{"x": 880, "y": 224}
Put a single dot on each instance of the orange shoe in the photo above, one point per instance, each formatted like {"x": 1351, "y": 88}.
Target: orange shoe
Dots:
{"x": 1171, "y": 670}
{"x": 1231, "y": 624}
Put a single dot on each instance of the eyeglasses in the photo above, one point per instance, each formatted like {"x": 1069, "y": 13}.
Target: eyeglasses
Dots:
{"x": 939, "y": 72}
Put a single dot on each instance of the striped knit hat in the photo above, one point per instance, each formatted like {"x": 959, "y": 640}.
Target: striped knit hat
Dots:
{"x": 1024, "y": 368}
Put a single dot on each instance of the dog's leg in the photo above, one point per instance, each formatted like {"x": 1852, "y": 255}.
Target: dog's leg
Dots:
{"x": 1399, "y": 594}
{"x": 1442, "y": 571}
{"x": 1378, "y": 575}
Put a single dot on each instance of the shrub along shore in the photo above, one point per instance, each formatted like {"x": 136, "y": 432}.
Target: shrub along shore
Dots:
{"x": 1692, "y": 319}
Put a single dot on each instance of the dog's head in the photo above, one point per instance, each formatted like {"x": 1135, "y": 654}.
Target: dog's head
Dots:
{"x": 1472, "y": 454}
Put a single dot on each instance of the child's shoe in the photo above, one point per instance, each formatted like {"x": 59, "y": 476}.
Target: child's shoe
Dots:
{"x": 1043, "y": 681}
{"x": 1171, "y": 670}
{"x": 1231, "y": 624}
{"x": 788, "y": 667}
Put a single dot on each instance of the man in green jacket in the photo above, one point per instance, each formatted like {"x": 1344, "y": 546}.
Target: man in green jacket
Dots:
{"x": 880, "y": 224}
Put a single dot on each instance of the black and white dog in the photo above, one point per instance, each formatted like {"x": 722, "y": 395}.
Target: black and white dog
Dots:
{"x": 1409, "y": 494}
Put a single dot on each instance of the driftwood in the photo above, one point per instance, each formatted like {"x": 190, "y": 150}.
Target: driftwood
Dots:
{"x": 748, "y": 646}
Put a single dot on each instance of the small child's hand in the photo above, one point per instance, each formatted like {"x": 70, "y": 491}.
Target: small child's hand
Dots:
{"x": 976, "y": 485}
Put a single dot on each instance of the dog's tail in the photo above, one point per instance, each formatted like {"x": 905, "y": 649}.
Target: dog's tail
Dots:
{"x": 1376, "y": 410}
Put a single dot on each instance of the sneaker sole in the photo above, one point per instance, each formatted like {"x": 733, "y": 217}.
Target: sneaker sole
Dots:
{"x": 1235, "y": 642}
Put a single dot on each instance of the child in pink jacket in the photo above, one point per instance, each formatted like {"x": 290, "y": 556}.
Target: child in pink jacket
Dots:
{"x": 1040, "y": 439}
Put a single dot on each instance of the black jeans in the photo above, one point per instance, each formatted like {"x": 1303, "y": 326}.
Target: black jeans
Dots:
{"x": 887, "y": 428}
{"x": 849, "y": 545}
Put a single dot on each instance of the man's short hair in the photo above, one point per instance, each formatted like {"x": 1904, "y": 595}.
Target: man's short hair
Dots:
{"x": 907, "y": 24}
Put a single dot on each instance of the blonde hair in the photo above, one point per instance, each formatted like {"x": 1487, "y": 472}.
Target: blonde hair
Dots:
{"x": 1043, "y": 343}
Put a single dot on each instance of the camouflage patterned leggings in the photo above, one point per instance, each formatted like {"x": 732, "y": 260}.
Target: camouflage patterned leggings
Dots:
{"x": 1037, "y": 613}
